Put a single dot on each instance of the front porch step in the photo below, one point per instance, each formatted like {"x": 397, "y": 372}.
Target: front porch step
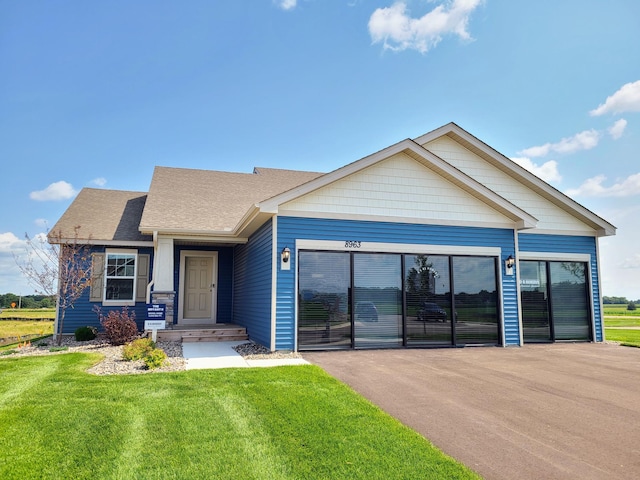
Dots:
{"x": 218, "y": 333}
{"x": 214, "y": 338}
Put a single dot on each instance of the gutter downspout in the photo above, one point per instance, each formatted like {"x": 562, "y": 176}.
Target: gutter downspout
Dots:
{"x": 155, "y": 255}
{"x": 518, "y": 292}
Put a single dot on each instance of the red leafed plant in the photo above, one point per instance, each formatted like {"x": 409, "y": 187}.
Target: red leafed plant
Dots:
{"x": 119, "y": 326}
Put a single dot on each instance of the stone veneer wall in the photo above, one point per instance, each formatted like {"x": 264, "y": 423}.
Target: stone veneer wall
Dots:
{"x": 167, "y": 298}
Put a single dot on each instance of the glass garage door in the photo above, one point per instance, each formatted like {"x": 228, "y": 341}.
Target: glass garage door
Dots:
{"x": 555, "y": 301}
{"x": 377, "y": 299}
{"x": 386, "y": 300}
{"x": 324, "y": 283}
{"x": 476, "y": 301}
{"x": 427, "y": 285}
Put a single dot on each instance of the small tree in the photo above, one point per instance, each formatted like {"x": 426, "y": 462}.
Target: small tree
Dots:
{"x": 58, "y": 267}
{"x": 631, "y": 306}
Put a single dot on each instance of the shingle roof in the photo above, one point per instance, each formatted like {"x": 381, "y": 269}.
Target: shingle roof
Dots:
{"x": 112, "y": 215}
{"x": 203, "y": 201}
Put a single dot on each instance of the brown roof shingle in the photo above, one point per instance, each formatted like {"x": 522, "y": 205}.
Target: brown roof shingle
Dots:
{"x": 112, "y": 215}
{"x": 203, "y": 201}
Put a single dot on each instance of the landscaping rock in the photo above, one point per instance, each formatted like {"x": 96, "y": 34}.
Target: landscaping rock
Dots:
{"x": 113, "y": 362}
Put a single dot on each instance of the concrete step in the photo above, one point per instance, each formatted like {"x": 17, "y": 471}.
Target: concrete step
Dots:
{"x": 223, "y": 332}
{"x": 214, "y": 338}
{"x": 217, "y": 333}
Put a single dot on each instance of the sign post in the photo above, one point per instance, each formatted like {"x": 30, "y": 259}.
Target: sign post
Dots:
{"x": 155, "y": 319}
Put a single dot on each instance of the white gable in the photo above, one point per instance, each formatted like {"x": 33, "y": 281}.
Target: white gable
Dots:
{"x": 397, "y": 189}
{"x": 550, "y": 216}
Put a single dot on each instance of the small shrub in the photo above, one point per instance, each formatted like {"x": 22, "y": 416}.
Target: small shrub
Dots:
{"x": 119, "y": 327}
{"x": 84, "y": 334}
{"x": 631, "y": 306}
{"x": 155, "y": 358}
{"x": 138, "y": 349}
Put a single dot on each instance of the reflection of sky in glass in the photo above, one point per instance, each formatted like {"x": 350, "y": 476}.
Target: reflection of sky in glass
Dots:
{"x": 473, "y": 274}
{"x": 329, "y": 272}
{"x": 377, "y": 270}
{"x": 533, "y": 273}
{"x": 326, "y": 272}
{"x": 568, "y": 272}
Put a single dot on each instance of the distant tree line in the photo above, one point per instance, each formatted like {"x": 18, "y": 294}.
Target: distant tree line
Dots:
{"x": 617, "y": 301}
{"x": 27, "y": 301}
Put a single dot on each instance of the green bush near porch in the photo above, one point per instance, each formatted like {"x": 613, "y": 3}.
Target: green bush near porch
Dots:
{"x": 286, "y": 422}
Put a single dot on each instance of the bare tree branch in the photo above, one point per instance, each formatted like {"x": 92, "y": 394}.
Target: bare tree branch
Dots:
{"x": 58, "y": 267}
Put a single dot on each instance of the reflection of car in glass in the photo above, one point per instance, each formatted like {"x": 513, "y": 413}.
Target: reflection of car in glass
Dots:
{"x": 431, "y": 312}
{"x": 366, "y": 312}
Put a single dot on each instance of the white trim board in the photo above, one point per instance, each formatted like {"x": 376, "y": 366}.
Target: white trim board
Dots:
{"x": 389, "y": 219}
{"x": 555, "y": 256}
{"x": 275, "y": 262}
{"x": 340, "y": 245}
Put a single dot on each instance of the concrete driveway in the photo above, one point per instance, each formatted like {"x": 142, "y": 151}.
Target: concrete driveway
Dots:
{"x": 560, "y": 411}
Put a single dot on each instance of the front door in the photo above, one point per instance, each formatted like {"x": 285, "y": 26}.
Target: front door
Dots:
{"x": 198, "y": 295}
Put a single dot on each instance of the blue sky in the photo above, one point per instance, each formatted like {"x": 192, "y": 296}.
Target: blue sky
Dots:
{"x": 95, "y": 94}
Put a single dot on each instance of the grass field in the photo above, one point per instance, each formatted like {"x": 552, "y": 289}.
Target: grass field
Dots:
{"x": 15, "y": 328}
{"x": 631, "y": 318}
{"x": 35, "y": 313}
{"x": 37, "y": 322}
{"x": 275, "y": 423}
{"x": 620, "y": 310}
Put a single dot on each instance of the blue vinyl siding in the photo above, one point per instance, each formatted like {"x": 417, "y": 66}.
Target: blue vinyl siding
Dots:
{"x": 532, "y": 242}
{"x": 252, "y": 285}
{"x": 292, "y": 228}
{"x": 224, "y": 282}
{"x": 83, "y": 315}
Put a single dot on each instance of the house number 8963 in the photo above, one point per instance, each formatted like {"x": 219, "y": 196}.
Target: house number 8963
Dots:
{"x": 352, "y": 244}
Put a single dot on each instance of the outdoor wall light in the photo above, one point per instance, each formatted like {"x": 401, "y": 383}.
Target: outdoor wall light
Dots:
{"x": 285, "y": 255}
{"x": 510, "y": 262}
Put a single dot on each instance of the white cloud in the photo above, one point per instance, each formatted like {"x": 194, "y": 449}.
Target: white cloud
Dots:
{"x": 13, "y": 249}
{"x": 398, "y": 31}
{"x": 593, "y": 187}
{"x": 627, "y": 99}
{"x": 56, "y": 191}
{"x": 617, "y": 129}
{"x": 41, "y": 222}
{"x": 585, "y": 140}
{"x": 100, "y": 181}
{"x": 548, "y": 171}
{"x": 286, "y": 4}
{"x": 9, "y": 242}
{"x": 631, "y": 262}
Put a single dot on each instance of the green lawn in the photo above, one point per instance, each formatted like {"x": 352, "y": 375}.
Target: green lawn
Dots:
{"x": 625, "y": 336}
{"x": 275, "y": 423}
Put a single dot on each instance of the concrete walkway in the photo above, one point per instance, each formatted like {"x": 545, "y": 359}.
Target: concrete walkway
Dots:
{"x": 222, "y": 355}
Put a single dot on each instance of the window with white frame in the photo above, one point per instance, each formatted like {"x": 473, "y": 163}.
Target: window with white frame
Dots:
{"x": 120, "y": 276}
